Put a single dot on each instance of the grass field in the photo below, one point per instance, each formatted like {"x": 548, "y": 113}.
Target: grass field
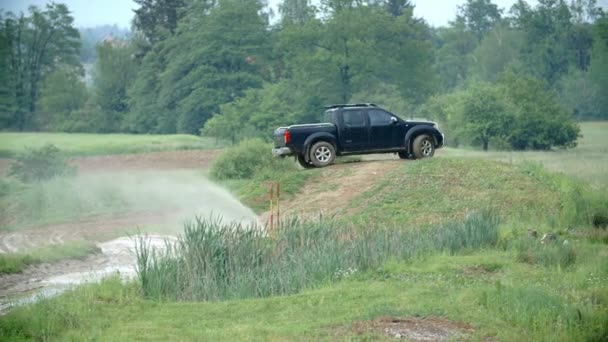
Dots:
{"x": 588, "y": 161}
{"x": 17, "y": 262}
{"x": 99, "y": 144}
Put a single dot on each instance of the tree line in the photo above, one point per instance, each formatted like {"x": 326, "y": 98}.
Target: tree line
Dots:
{"x": 513, "y": 78}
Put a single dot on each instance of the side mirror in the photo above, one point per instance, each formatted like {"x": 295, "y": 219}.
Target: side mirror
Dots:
{"x": 394, "y": 120}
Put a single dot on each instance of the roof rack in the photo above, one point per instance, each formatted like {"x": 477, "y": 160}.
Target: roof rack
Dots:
{"x": 351, "y": 105}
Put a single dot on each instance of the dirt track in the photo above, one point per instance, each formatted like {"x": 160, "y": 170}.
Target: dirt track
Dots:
{"x": 338, "y": 184}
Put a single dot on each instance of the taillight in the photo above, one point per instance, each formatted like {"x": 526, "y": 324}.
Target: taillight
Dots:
{"x": 287, "y": 137}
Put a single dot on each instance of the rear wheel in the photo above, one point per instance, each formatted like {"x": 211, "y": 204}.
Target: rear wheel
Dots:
{"x": 423, "y": 146}
{"x": 303, "y": 163}
{"x": 322, "y": 154}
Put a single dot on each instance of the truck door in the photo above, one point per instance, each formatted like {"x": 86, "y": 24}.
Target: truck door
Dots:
{"x": 353, "y": 131}
{"x": 385, "y": 131}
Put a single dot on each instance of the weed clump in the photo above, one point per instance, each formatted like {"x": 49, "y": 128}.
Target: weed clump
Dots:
{"x": 550, "y": 254}
{"x": 39, "y": 164}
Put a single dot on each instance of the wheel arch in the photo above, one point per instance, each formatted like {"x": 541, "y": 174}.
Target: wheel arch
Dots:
{"x": 419, "y": 130}
{"x": 315, "y": 138}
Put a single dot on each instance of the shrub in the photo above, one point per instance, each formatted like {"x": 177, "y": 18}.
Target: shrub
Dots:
{"x": 243, "y": 160}
{"x": 38, "y": 164}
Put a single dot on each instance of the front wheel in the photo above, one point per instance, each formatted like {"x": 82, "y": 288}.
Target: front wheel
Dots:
{"x": 322, "y": 154}
{"x": 423, "y": 146}
{"x": 303, "y": 163}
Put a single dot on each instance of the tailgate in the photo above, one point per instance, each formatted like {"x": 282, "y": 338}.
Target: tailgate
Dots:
{"x": 279, "y": 140}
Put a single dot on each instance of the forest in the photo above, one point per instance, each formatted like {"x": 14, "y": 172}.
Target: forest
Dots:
{"x": 519, "y": 78}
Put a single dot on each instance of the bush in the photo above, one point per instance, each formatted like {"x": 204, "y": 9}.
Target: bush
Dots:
{"x": 38, "y": 164}
{"x": 243, "y": 160}
{"x": 517, "y": 113}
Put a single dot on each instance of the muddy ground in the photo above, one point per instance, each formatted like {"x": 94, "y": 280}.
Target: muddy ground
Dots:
{"x": 116, "y": 253}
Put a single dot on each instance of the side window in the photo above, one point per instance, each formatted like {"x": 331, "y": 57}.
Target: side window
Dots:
{"x": 354, "y": 118}
{"x": 379, "y": 118}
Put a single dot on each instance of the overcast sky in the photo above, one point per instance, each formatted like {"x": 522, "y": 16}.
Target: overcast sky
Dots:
{"x": 99, "y": 12}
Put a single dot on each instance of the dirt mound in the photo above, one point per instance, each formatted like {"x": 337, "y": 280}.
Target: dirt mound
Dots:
{"x": 415, "y": 328}
{"x": 331, "y": 192}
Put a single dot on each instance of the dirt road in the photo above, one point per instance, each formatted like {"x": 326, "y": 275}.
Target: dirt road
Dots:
{"x": 330, "y": 194}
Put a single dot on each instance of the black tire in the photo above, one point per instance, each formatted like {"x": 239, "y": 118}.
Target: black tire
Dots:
{"x": 303, "y": 163}
{"x": 322, "y": 154}
{"x": 403, "y": 155}
{"x": 423, "y": 146}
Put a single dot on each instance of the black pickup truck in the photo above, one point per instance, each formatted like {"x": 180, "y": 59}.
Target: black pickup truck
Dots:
{"x": 356, "y": 129}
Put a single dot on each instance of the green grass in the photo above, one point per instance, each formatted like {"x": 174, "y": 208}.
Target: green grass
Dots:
{"x": 501, "y": 298}
{"x": 588, "y": 161}
{"x": 435, "y": 190}
{"x": 17, "y": 262}
{"x": 79, "y": 144}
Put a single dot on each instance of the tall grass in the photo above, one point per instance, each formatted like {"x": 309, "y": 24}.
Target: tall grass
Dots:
{"x": 215, "y": 261}
{"x": 581, "y": 205}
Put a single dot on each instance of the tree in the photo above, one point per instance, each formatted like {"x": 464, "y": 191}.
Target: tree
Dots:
{"x": 146, "y": 114}
{"x": 484, "y": 115}
{"x": 546, "y": 28}
{"x": 498, "y": 51}
{"x": 211, "y": 61}
{"x": 540, "y": 121}
{"x": 357, "y": 48}
{"x": 256, "y": 114}
{"x": 158, "y": 19}
{"x": 517, "y": 112}
{"x": 598, "y": 67}
{"x": 480, "y": 16}
{"x": 454, "y": 47}
{"x": 7, "y": 90}
{"x": 34, "y": 47}
{"x": 580, "y": 95}
{"x": 63, "y": 93}
{"x": 398, "y": 7}
{"x": 115, "y": 70}
{"x": 296, "y": 11}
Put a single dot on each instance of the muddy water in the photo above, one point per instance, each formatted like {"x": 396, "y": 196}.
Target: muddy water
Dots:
{"x": 178, "y": 195}
{"x": 117, "y": 258}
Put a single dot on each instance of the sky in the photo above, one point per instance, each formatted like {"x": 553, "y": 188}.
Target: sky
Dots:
{"x": 89, "y": 13}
